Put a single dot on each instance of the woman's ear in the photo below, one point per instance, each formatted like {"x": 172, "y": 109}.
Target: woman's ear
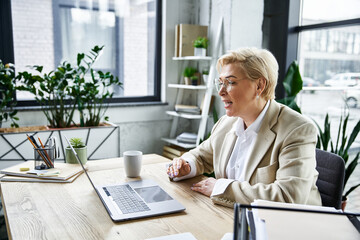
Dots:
{"x": 261, "y": 83}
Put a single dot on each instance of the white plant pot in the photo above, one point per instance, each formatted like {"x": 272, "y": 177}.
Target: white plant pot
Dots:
{"x": 205, "y": 78}
{"x": 200, "y": 52}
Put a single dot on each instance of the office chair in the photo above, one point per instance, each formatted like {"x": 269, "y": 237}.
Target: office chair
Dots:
{"x": 331, "y": 168}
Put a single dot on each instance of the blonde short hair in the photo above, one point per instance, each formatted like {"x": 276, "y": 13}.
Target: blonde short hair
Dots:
{"x": 256, "y": 63}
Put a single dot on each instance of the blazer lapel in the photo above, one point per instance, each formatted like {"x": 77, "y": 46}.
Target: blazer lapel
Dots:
{"x": 264, "y": 139}
{"x": 227, "y": 148}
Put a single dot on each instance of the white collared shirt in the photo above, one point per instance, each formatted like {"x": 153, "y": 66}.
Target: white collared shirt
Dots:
{"x": 245, "y": 141}
{"x": 239, "y": 156}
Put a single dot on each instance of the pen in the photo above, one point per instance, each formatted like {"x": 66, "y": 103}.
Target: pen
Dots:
{"x": 42, "y": 145}
{"x": 37, "y": 149}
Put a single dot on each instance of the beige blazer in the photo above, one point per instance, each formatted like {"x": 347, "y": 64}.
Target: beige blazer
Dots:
{"x": 281, "y": 166}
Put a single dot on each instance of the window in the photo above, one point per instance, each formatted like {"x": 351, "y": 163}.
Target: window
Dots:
{"x": 328, "y": 54}
{"x": 59, "y": 29}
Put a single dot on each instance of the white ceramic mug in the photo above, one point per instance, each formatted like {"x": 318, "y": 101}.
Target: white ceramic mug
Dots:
{"x": 132, "y": 163}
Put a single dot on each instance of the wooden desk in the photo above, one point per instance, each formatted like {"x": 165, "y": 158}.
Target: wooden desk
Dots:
{"x": 74, "y": 211}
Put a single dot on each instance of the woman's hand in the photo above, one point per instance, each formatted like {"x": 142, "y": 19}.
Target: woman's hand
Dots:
{"x": 205, "y": 186}
{"x": 178, "y": 168}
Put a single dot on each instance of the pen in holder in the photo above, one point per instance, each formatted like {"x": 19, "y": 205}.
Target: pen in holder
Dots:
{"x": 44, "y": 157}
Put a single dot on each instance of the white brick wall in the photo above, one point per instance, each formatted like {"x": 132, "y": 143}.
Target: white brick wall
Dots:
{"x": 33, "y": 33}
{"x": 135, "y": 51}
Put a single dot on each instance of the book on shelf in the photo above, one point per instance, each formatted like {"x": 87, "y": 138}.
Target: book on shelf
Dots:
{"x": 62, "y": 172}
{"x": 187, "y": 108}
{"x": 186, "y": 137}
{"x": 188, "y": 33}
{"x": 177, "y": 30}
{"x": 177, "y": 151}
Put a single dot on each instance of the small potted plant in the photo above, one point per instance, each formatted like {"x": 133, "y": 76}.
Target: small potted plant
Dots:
{"x": 200, "y": 45}
{"x": 80, "y": 149}
{"x": 205, "y": 75}
{"x": 188, "y": 73}
{"x": 194, "y": 80}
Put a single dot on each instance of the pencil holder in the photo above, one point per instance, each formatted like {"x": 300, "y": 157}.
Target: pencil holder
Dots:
{"x": 44, "y": 157}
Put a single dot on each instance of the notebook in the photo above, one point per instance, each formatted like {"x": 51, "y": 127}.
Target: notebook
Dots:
{"x": 66, "y": 173}
{"x": 132, "y": 200}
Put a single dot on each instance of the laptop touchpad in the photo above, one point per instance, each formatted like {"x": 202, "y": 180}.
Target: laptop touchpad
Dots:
{"x": 153, "y": 194}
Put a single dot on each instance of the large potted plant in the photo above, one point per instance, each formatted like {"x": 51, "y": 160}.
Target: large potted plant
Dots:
{"x": 67, "y": 88}
{"x": 91, "y": 94}
{"x": 53, "y": 92}
{"x": 7, "y": 92}
{"x": 341, "y": 147}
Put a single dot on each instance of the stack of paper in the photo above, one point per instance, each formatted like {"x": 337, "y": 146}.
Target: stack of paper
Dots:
{"x": 187, "y": 137}
{"x": 61, "y": 173}
{"x": 301, "y": 224}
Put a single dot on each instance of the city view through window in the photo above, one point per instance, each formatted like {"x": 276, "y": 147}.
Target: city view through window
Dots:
{"x": 329, "y": 61}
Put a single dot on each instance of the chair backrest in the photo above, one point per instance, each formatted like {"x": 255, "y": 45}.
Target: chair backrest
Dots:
{"x": 331, "y": 168}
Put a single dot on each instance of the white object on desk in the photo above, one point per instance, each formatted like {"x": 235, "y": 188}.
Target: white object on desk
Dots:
{"x": 228, "y": 236}
{"x": 132, "y": 163}
{"x": 180, "y": 236}
{"x": 300, "y": 225}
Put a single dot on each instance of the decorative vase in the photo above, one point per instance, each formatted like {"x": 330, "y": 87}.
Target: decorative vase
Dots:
{"x": 200, "y": 52}
{"x": 71, "y": 158}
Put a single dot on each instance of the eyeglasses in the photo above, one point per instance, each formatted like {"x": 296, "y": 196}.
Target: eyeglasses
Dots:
{"x": 226, "y": 83}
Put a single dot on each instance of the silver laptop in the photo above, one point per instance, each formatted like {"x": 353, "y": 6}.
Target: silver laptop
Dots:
{"x": 136, "y": 199}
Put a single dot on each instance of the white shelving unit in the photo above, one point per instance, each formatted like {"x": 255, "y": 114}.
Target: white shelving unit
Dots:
{"x": 203, "y": 117}
{"x": 205, "y": 110}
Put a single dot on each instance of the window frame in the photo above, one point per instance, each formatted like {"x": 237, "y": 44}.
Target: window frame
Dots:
{"x": 7, "y": 54}
{"x": 294, "y": 31}
{"x": 281, "y": 29}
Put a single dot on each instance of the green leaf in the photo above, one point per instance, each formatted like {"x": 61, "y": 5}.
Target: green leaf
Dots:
{"x": 351, "y": 189}
{"x": 353, "y": 135}
{"x": 293, "y": 82}
{"x": 318, "y": 143}
{"x": 80, "y": 57}
{"x": 350, "y": 168}
{"x": 290, "y": 102}
{"x": 38, "y": 68}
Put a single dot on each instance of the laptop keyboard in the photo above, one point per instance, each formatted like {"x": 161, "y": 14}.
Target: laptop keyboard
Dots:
{"x": 126, "y": 198}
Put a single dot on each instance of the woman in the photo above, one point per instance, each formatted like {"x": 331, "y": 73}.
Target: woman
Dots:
{"x": 260, "y": 149}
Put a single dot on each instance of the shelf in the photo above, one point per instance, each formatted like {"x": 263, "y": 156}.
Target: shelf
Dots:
{"x": 175, "y": 142}
{"x": 184, "y": 115}
{"x": 207, "y": 58}
{"x": 198, "y": 87}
